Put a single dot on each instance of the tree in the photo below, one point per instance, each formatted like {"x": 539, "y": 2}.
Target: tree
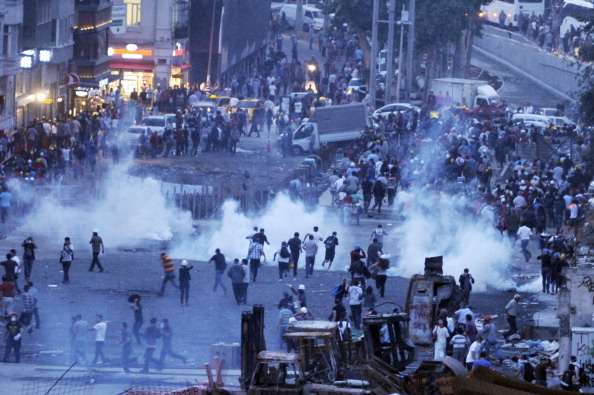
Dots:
{"x": 586, "y": 92}
{"x": 358, "y": 14}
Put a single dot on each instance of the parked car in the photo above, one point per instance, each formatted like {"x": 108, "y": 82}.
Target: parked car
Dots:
{"x": 159, "y": 123}
{"x": 395, "y": 107}
{"x": 129, "y": 140}
{"x": 561, "y": 121}
{"x": 249, "y": 105}
{"x": 204, "y": 108}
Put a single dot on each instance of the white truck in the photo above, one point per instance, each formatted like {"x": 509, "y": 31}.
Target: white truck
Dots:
{"x": 466, "y": 93}
{"x": 312, "y": 16}
{"x": 331, "y": 124}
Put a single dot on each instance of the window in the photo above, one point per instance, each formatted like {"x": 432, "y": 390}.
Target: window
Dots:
{"x": 8, "y": 41}
{"x": 43, "y": 11}
{"x": 133, "y": 12}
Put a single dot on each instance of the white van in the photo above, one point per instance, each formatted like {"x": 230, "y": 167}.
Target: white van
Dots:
{"x": 312, "y": 16}
{"x": 531, "y": 119}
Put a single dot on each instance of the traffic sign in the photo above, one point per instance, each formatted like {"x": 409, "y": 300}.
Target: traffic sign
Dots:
{"x": 71, "y": 80}
{"x": 118, "y": 19}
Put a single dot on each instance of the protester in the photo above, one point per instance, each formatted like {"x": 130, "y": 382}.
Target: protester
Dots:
{"x": 184, "y": 282}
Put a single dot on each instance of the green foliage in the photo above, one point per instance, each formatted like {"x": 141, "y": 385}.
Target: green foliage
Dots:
{"x": 437, "y": 22}
{"x": 357, "y": 13}
{"x": 586, "y": 76}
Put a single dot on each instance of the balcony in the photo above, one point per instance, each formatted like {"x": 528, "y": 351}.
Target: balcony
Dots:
{"x": 93, "y": 20}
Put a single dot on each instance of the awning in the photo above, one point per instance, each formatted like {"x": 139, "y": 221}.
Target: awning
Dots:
{"x": 185, "y": 66}
{"x": 141, "y": 65}
{"x": 94, "y": 82}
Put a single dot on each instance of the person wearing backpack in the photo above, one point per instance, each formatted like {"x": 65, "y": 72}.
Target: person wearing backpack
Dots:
{"x": 330, "y": 243}
{"x": 220, "y": 267}
{"x": 237, "y": 273}
{"x": 525, "y": 369}
{"x": 283, "y": 257}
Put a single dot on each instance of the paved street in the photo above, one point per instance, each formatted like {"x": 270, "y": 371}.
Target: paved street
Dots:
{"x": 211, "y": 317}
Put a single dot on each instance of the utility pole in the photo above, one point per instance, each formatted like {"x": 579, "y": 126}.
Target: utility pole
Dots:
{"x": 410, "y": 48}
{"x": 403, "y": 21}
{"x": 390, "y": 60}
{"x": 374, "y": 51}
{"x": 299, "y": 16}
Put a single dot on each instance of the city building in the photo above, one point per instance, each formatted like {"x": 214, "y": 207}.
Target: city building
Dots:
{"x": 11, "y": 19}
{"x": 90, "y": 60}
{"x": 148, "y": 44}
{"x": 227, "y": 37}
{"x": 46, "y": 50}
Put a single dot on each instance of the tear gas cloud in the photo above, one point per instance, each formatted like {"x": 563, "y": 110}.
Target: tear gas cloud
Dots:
{"x": 131, "y": 211}
{"x": 441, "y": 225}
{"x": 134, "y": 209}
{"x": 280, "y": 220}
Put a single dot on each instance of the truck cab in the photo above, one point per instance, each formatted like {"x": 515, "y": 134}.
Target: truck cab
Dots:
{"x": 305, "y": 138}
{"x": 427, "y": 295}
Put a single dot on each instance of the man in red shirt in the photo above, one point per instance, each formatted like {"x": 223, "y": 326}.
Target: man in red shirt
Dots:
{"x": 7, "y": 292}
{"x": 357, "y": 254}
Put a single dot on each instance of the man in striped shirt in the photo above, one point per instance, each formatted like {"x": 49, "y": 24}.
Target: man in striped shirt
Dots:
{"x": 169, "y": 273}
{"x": 29, "y": 303}
{"x": 255, "y": 253}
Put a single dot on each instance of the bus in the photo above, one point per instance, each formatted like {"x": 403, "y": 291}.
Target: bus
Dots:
{"x": 511, "y": 9}
{"x": 574, "y": 14}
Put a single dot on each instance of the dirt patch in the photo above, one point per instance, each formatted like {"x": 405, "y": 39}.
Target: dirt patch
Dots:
{"x": 267, "y": 170}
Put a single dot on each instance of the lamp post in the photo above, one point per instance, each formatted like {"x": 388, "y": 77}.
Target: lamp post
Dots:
{"x": 403, "y": 21}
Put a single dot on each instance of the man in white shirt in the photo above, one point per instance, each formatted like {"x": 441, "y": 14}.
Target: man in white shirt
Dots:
{"x": 524, "y": 234}
{"x": 519, "y": 202}
{"x": 473, "y": 352}
{"x": 355, "y": 295}
{"x": 462, "y": 313}
{"x": 100, "y": 329}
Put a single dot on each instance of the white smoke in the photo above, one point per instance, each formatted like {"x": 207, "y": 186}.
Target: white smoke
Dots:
{"x": 131, "y": 211}
{"x": 280, "y": 220}
{"x": 442, "y": 225}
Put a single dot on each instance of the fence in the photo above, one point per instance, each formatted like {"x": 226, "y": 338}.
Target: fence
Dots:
{"x": 545, "y": 149}
{"x": 207, "y": 201}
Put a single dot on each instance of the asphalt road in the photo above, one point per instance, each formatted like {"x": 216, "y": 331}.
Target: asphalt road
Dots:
{"x": 211, "y": 317}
